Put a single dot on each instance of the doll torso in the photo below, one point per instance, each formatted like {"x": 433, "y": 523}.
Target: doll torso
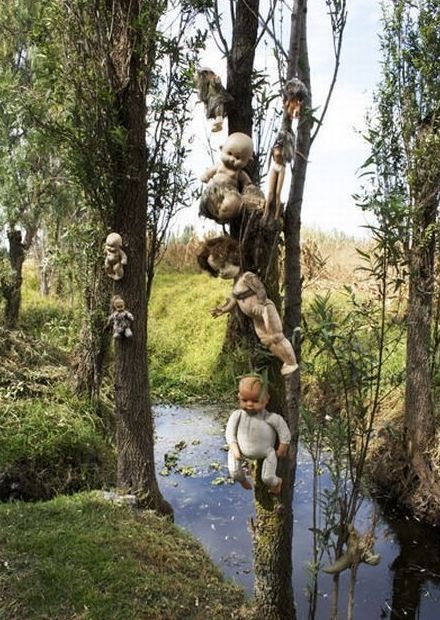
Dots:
{"x": 246, "y": 298}
{"x": 255, "y": 437}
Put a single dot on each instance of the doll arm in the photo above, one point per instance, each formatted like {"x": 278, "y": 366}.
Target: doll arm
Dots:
{"x": 256, "y": 285}
{"x": 227, "y": 307}
{"x": 244, "y": 179}
{"x": 129, "y": 316}
{"x": 231, "y": 433}
{"x": 208, "y": 174}
{"x": 280, "y": 426}
{"x": 282, "y": 450}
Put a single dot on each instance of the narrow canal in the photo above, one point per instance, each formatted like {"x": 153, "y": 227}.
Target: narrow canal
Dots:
{"x": 191, "y": 457}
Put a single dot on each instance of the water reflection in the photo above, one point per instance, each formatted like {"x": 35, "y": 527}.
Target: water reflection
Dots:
{"x": 406, "y": 584}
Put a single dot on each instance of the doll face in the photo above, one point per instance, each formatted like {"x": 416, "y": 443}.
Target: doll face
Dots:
{"x": 277, "y": 154}
{"x": 225, "y": 270}
{"x": 251, "y": 395}
{"x": 119, "y": 305}
{"x": 237, "y": 151}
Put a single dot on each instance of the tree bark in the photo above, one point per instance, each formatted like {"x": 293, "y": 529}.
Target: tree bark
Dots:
{"x": 88, "y": 359}
{"x": 136, "y": 470}
{"x": 17, "y": 255}
{"x": 419, "y": 407}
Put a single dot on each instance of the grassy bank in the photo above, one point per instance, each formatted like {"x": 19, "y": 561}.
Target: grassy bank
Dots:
{"x": 84, "y": 557}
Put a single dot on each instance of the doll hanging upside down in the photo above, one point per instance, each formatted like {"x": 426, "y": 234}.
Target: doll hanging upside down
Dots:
{"x": 252, "y": 432}
{"x": 220, "y": 257}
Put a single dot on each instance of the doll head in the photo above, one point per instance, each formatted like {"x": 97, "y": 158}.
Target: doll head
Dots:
{"x": 113, "y": 242}
{"x": 252, "y": 394}
{"x": 220, "y": 256}
{"x": 118, "y": 304}
{"x": 237, "y": 151}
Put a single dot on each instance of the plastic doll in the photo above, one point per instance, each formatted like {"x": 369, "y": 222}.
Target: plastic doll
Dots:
{"x": 220, "y": 257}
{"x": 294, "y": 95}
{"x": 115, "y": 257}
{"x": 214, "y": 96}
{"x": 359, "y": 549}
{"x": 252, "y": 433}
{"x": 228, "y": 183}
{"x": 120, "y": 319}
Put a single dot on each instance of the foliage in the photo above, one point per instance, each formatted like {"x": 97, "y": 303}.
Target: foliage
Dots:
{"x": 49, "y": 448}
{"x": 185, "y": 341}
{"x": 86, "y": 557}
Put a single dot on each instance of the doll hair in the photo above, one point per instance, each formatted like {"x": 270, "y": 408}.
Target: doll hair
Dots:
{"x": 221, "y": 249}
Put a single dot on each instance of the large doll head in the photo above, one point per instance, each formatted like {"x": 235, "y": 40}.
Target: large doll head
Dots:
{"x": 252, "y": 394}
{"x": 220, "y": 256}
{"x": 237, "y": 151}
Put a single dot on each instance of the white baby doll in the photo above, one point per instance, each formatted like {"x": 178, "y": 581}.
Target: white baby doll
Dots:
{"x": 115, "y": 257}
{"x": 228, "y": 183}
{"x": 220, "y": 257}
{"x": 252, "y": 433}
{"x": 120, "y": 319}
{"x": 214, "y": 96}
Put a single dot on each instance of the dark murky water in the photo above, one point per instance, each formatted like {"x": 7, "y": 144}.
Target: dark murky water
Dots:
{"x": 406, "y": 583}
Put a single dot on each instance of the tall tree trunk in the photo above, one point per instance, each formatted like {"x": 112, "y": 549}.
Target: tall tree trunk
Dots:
{"x": 17, "y": 255}
{"x": 136, "y": 470}
{"x": 88, "y": 359}
{"x": 419, "y": 407}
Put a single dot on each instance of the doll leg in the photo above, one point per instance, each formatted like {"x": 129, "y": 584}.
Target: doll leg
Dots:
{"x": 268, "y": 472}
{"x": 270, "y": 332}
{"x": 128, "y": 333}
{"x": 237, "y": 472}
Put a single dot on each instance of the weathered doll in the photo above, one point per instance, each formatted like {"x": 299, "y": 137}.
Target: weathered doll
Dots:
{"x": 252, "y": 433}
{"x": 229, "y": 188}
{"x": 282, "y": 152}
{"x": 213, "y": 94}
{"x": 359, "y": 549}
{"x": 220, "y": 257}
{"x": 120, "y": 319}
{"x": 294, "y": 95}
{"x": 115, "y": 257}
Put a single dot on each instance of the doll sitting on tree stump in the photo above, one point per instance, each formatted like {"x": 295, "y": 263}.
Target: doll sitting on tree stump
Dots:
{"x": 220, "y": 257}
{"x": 230, "y": 188}
{"x": 120, "y": 319}
{"x": 252, "y": 432}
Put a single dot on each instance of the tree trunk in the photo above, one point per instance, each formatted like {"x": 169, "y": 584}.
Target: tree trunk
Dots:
{"x": 419, "y": 407}
{"x": 136, "y": 470}
{"x": 13, "y": 293}
{"x": 89, "y": 357}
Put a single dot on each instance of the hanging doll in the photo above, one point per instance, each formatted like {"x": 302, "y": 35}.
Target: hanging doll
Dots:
{"x": 282, "y": 153}
{"x": 115, "y": 257}
{"x": 220, "y": 257}
{"x": 120, "y": 319}
{"x": 229, "y": 188}
{"x": 294, "y": 95}
{"x": 359, "y": 549}
{"x": 252, "y": 432}
{"x": 214, "y": 96}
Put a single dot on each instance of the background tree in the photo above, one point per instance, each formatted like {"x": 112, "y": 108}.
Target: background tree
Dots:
{"x": 405, "y": 148}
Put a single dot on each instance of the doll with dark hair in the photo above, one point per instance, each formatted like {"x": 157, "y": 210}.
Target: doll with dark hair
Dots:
{"x": 214, "y": 96}
{"x": 120, "y": 319}
{"x": 294, "y": 95}
{"x": 220, "y": 257}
